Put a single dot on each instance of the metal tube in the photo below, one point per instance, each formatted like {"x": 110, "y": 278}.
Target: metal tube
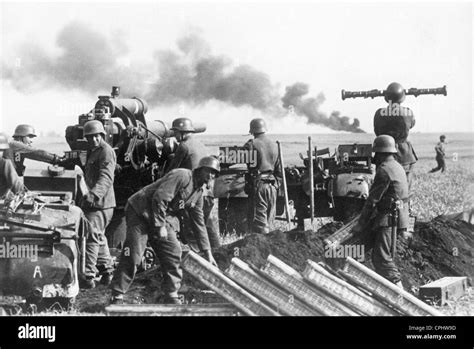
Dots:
{"x": 285, "y": 189}
{"x": 311, "y": 178}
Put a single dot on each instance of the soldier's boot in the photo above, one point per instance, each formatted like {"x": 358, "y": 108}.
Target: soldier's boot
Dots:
{"x": 87, "y": 283}
{"x": 106, "y": 279}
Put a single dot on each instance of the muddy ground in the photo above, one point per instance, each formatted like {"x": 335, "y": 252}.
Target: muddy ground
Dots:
{"x": 441, "y": 247}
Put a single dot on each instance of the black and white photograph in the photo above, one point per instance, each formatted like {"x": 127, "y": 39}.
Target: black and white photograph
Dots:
{"x": 237, "y": 159}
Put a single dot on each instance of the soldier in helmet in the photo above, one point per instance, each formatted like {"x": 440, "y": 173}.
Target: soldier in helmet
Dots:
{"x": 152, "y": 215}
{"x": 9, "y": 180}
{"x": 98, "y": 204}
{"x": 390, "y": 186}
{"x": 263, "y": 183}
{"x": 20, "y": 148}
{"x": 188, "y": 154}
{"x": 396, "y": 121}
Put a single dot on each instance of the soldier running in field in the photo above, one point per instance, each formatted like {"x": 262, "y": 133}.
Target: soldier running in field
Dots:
{"x": 440, "y": 155}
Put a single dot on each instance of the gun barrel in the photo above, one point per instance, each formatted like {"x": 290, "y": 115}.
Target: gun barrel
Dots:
{"x": 427, "y": 91}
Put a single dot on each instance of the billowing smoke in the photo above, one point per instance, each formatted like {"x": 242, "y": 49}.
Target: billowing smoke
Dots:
{"x": 309, "y": 107}
{"x": 87, "y": 61}
{"x": 192, "y": 74}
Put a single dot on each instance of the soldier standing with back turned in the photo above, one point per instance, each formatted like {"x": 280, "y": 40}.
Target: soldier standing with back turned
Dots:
{"x": 396, "y": 121}
{"x": 263, "y": 184}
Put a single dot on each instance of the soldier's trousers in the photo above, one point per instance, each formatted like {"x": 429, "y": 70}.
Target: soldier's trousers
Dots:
{"x": 441, "y": 164}
{"x": 168, "y": 253}
{"x": 98, "y": 259}
{"x": 381, "y": 254}
{"x": 264, "y": 209}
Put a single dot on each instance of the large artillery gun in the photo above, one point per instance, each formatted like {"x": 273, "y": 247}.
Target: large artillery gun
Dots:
{"x": 143, "y": 148}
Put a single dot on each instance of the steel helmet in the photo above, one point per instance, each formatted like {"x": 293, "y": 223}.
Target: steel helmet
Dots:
{"x": 384, "y": 144}
{"x": 257, "y": 126}
{"x": 183, "y": 125}
{"x": 24, "y": 131}
{"x": 93, "y": 127}
{"x": 210, "y": 162}
{"x": 395, "y": 93}
{"x": 3, "y": 141}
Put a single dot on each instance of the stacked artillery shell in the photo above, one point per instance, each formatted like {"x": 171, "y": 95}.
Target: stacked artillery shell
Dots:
{"x": 285, "y": 302}
{"x": 344, "y": 292}
{"x": 172, "y": 310}
{"x": 292, "y": 281}
{"x": 384, "y": 290}
{"x": 212, "y": 277}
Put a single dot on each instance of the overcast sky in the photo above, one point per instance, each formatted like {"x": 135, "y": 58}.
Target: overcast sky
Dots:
{"x": 328, "y": 46}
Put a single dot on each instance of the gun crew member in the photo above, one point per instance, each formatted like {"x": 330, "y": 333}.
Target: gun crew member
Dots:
{"x": 390, "y": 185}
{"x": 396, "y": 121}
{"x": 21, "y": 149}
{"x": 263, "y": 183}
{"x": 9, "y": 180}
{"x": 440, "y": 154}
{"x": 98, "y": 204}
{"x": 188, "y": 154}
{"x": 152, "y": 214}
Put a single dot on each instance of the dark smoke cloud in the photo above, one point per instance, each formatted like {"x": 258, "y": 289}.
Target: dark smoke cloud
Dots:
{"x": 87, "y": 62}
{"x": 309, "y": 107}
{"x": 194, "y": 75}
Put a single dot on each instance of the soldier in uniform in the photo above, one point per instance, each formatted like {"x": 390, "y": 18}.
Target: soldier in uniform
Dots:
{"x": 263, "y": 182}
{"x": 98, "y": 204}
{"x": 396, "y": 121}
{"x": 188, "y": 153}
{"x": 21, "y": 149}
{"x": 152, "y": 214}
{"x": 440, "y": 154}
{"x": 9, "y": 180}
{"x": 390, "y": 186}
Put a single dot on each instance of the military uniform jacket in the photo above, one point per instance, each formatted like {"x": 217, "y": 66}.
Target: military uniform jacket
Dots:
{"x": 9, "y": 180}
{"x": 20, "y": 151}
{"x": 440, "y": 152}
{"x": 267, "y": 154}
{"x": 99, "y": 175}
{"x": 390, "y": 182}
{"x": 173, "y": 192}
{"x": 188, "y": 154}
{"x": 396, "y": 121}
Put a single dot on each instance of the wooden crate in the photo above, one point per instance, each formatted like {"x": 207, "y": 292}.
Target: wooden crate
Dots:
{"x": 443, "y": 290}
